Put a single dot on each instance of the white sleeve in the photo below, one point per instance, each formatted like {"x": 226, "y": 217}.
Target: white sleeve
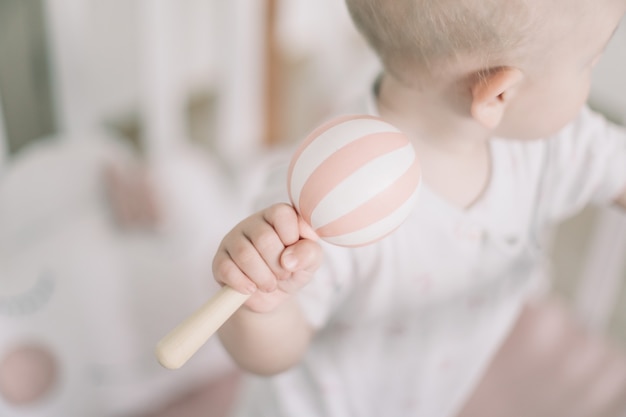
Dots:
{"x": 328, "y": 290}
{"x": 585, "y": 163}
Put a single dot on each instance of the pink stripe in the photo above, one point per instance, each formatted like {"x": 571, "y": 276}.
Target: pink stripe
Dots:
{"x": 317, "y": 133}
{"x": 343, "y": 163}
{"x": 376, "y": 208}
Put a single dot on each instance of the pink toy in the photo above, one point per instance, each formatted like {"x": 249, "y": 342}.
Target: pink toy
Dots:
{"x": 354, "y": 179}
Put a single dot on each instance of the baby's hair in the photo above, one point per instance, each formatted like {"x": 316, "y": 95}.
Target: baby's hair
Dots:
{"x": 435, "y": 33}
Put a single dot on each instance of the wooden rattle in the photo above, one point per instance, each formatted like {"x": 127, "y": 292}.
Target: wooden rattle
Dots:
{"x": 354, "y": 179}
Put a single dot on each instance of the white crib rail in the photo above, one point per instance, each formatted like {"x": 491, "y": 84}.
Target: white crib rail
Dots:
{"x": 162, "y": 94}
{"x": 4, "y": 140}
{"x": 71, "y": 54}
{"x": 239, "y": 83}
{"x": 240, "y": 118}
{"x": 602, "y": 272}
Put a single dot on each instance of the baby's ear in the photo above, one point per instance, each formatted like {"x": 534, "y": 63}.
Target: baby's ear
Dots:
{"x": 492, "y": 90}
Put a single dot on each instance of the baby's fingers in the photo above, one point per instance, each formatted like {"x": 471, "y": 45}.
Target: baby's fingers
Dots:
{"x": 278, "y": 229}
{"x": 240, "y": 266}
{"x": 305, "y": 255}
{"x": 302, "y": 260}
{"x": 226, "y": 272}
{"x": 255, "y": 254}
{"x": 284, "y": 220}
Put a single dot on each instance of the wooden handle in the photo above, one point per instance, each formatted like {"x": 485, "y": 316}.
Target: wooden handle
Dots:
{"x": 175, "y": 349}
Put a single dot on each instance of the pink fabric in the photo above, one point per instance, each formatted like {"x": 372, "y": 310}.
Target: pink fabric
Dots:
{"x": 551, "y": 366}
{"x": 212, "y": 400}
{"x": 27, "y": 374}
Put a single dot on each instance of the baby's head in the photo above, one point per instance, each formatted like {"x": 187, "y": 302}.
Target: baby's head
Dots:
{"x": 512, "y": 57}
{"x": 431, "y": 36}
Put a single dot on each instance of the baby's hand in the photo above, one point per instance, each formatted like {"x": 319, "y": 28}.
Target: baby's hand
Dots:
{"x": 269, "y": 252}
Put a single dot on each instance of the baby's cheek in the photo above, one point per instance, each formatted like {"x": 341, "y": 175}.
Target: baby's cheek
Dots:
{"x": 27, "y": 374}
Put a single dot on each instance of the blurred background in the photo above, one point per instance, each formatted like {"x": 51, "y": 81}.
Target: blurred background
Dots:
{"x": 191, "y": 97}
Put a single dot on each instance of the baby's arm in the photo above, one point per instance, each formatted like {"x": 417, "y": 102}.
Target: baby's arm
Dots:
{"x": 266, "y": 255}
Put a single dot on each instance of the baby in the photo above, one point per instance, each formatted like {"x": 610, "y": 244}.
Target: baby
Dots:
{"x": 491, "y": 93}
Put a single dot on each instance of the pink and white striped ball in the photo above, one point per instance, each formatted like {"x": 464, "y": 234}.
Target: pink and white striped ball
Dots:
{"x": 354, "y": 179}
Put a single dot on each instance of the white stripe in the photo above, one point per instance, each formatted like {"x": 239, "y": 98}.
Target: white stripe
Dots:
{"x": 379, "y": 229}
{"x": 365, "y": 183}
{"x": 328, "y": 143}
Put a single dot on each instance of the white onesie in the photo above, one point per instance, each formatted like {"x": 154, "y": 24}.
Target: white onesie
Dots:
{"x": 408, "y": 325}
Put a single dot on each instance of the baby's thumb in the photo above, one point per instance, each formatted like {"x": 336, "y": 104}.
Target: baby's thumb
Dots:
{"x": 304, "y": 255}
